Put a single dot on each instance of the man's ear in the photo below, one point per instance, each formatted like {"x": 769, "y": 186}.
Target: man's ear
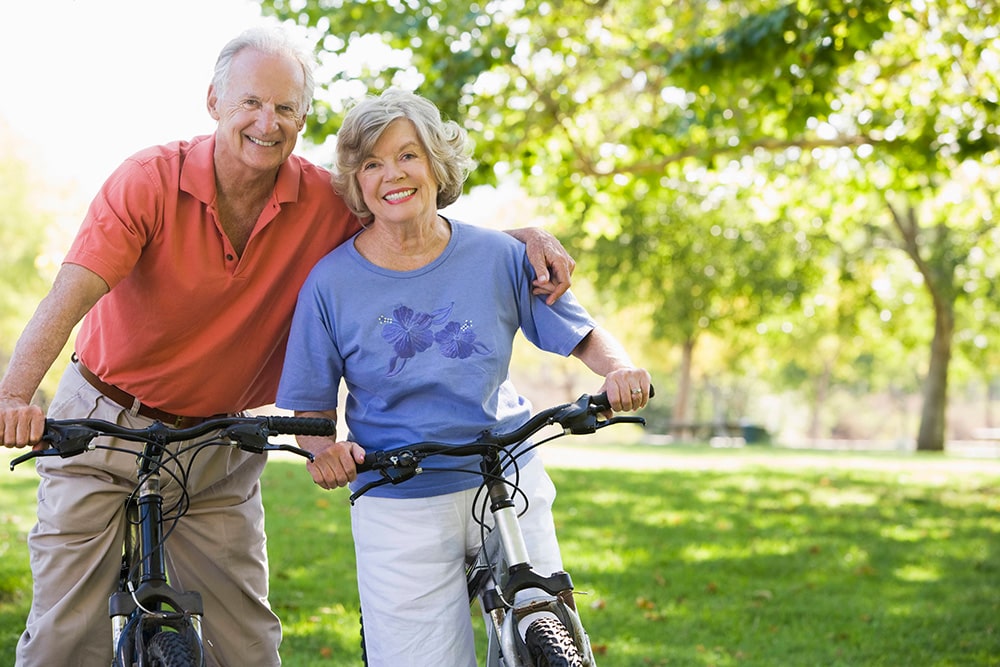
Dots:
{"x": 212, "y": 103}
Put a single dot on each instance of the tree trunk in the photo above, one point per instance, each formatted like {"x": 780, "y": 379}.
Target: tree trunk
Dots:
{"x": 933, "y": 413}
{"x": 939, "y": 279}
{"x": 821, "y": 389}
{"x": 684, "y": 383}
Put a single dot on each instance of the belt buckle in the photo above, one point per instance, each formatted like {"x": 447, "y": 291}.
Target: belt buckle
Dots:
{"x": 178, "y": 421}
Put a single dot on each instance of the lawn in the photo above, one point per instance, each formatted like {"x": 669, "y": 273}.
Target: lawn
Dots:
{"x": 700, "y": 557}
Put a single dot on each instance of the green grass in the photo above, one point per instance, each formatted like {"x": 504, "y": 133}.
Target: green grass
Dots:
{"x": 751, "y": 557}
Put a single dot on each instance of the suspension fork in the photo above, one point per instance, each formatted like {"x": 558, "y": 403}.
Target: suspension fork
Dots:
{"x": 504, "y": 513}
{"x": 144, "y": 584}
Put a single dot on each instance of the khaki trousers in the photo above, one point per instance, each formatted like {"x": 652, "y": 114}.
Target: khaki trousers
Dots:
{"x": 217, "y": 548}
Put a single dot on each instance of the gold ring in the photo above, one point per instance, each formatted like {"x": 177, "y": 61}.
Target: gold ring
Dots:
{"x": 637, "y": 391}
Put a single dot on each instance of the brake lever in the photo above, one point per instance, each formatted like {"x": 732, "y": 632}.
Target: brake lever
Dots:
{"x": 392, "y": 474}
{"x": 293, "y": 449}
{"x": 249, "y": 437}
{"x": 36, "y": 453}
{"x": 67, "y": 441}
{"x": 368, "y": 487}
{"x": 624, "y": 419}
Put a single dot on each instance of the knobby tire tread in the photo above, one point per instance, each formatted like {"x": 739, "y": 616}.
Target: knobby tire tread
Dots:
{"x": 170, "y": 649}
{"x": 550, "y": 644}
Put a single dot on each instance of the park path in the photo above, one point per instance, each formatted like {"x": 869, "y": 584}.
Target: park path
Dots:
{"x": 666, "y": 457}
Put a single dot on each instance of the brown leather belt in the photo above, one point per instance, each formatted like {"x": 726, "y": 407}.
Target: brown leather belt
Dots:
{"x": 131, "y": 403}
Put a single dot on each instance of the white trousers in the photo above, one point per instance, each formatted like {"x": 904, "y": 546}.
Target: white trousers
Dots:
{"x": 411, "y": 560}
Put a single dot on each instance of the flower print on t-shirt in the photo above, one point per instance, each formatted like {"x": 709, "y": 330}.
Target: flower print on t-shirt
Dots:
{"x": 409, "y": 332}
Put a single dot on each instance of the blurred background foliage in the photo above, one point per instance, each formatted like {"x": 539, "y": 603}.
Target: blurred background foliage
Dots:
{"x": 787, "y": 210}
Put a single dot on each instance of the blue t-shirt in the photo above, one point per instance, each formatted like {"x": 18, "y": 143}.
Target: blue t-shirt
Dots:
{"x": 425, "y": 353}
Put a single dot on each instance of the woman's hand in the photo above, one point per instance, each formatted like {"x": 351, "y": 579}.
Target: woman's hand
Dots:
{"x": 628, "y": 388}
{"x": 335, "y": 463}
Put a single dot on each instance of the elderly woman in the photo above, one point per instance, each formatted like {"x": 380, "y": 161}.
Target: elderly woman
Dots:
{"x": 418, "y": 316}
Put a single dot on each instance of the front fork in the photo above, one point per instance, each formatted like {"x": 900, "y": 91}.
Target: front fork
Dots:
{"x": 144, "y": 594}
{"x": 506, "y": 549}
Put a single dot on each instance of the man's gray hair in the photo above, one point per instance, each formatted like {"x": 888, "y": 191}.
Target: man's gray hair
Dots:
{"x": 274, "y": 41}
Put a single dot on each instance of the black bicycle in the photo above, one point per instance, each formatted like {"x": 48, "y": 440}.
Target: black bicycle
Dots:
{"x": 555, "y": 637}
{"x": 153, "y": 623}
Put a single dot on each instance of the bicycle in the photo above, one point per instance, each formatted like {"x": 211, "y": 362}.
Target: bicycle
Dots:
{"x": 153, "y": 623}
{"x": 502, "y": 568}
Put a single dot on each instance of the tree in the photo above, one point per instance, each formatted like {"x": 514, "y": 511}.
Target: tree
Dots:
{"x": 615, "y": 112}
{"x": 22, "y": 242}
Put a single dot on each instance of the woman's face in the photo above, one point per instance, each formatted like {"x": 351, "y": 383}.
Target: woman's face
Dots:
{"x": 396, "y": 180}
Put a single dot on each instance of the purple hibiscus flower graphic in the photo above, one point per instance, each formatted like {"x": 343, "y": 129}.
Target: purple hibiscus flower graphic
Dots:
{"x": 458, "y": 341}
{"x": 409, "y": 332}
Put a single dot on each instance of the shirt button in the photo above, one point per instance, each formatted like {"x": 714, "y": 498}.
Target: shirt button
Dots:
{"x": 229, "y": 257}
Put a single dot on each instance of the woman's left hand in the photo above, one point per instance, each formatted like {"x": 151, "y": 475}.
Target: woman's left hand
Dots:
{"x": 628, "y": 388}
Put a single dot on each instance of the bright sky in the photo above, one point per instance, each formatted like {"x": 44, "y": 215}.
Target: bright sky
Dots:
{"x": 86, "y": 83}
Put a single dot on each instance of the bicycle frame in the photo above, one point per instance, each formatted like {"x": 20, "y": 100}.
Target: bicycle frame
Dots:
{"x": 153, "y": 622}
{"x": 502, "y": 569}
{"x": 144, "y": 596}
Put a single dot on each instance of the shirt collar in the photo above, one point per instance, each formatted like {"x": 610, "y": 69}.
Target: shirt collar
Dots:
{"x": 198, "y": 174}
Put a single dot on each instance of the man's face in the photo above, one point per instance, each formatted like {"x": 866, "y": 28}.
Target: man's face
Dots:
{"x": 259, "y": 112}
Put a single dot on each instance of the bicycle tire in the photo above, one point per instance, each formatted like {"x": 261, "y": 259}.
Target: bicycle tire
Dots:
{"x": 170, "y": 649}
{"x": 550, "y": 644}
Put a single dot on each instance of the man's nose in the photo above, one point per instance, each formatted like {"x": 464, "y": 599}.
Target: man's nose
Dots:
{"x": 267, "y": 117}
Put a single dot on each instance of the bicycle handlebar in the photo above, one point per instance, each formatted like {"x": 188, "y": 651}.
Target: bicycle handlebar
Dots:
{"x": 70, "y": 437}
{"x": 577, "y": 418}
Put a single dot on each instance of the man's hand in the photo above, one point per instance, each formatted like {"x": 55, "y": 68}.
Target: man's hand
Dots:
{"x": 21, "y": 424}
{"x": 553, "y": 265}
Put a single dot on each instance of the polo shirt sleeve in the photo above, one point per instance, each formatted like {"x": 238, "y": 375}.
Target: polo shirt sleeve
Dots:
{"x": 119, "y": 222}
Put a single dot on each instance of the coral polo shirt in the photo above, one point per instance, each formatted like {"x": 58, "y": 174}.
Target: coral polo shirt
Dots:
{"x": 188, "y": 326}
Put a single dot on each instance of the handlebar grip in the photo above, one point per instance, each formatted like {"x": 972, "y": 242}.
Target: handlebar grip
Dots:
{"x": 302, "y": 425}
{"x": 601, "y": 402}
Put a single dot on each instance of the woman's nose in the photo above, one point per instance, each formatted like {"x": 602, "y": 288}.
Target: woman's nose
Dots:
{"x": 393, "y": 171}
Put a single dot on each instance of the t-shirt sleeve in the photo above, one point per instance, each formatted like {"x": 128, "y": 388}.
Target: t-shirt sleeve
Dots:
{"x": 558, "y": 328}
{"x": 313, "y": 366}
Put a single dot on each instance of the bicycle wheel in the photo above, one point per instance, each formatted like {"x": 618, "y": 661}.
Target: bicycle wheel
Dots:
{"x": 170, "y": 649}
{"x": 550, "y": 644}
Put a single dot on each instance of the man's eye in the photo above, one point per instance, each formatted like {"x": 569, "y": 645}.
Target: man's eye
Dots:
{"x": 250, "y": 104}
